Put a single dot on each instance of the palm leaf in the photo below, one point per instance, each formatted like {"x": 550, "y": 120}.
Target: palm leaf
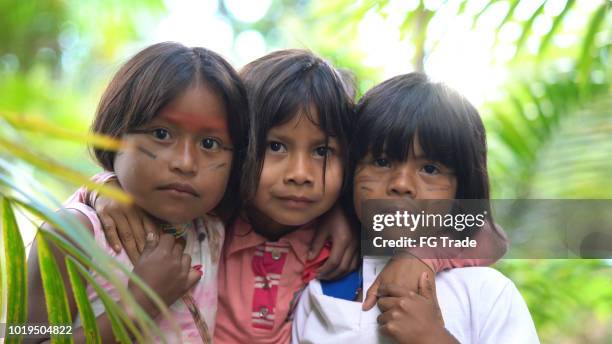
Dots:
{"x": 40, "y": 126}
{"x": 526, "y": 29}
{"x": 104, "y": 265}
{"x": 88, "y": 318}
{"x": 52, "y": 167}
{"x": 585, "y": 60}
{"x": 55, "y": 292}
{"x": 554, "y": 28}
{"x": 15, "y": 264}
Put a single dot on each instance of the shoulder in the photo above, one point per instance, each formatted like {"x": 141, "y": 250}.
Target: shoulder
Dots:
{"x": 70, "y": 215}
{"x": 483, "y": 277}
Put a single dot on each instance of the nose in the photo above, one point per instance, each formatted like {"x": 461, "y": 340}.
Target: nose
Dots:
{"x": 299, "y": 170}
{"x": 402, "y": 184}
{"x": 185, "y": 158}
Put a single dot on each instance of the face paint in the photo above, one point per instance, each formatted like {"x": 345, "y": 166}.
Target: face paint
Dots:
{"x": 147, "y": 152}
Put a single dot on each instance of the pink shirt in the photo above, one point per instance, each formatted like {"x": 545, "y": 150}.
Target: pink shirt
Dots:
{"x": 204, "y": 242}
{"x": 260, "y": 283}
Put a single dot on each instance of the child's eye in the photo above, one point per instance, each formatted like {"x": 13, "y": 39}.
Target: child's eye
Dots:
{"x": 210, "y": 144}
{"x": 276, "y": 146}
{"x": 431, "y": 169}
{"x": 161, "y": 134}
{"x": 323, "y": 151}
{"x": 382, "y": 162}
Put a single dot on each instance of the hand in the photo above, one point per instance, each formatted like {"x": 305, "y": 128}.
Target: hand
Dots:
{"x": 166, "y": 269}
{"x": 410, "y": 317}
{"x": 344, "y": 256}
{"x": 403, "y": 271}
{"x": 124, "y": 224}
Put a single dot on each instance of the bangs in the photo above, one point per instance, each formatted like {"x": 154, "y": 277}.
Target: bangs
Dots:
{"x": 390, "y": 124}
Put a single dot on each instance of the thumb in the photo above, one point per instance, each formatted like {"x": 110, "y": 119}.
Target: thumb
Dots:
{"x": 371, "y": 296}
{"x": 150, "y": 243}
{"x": 426, "y": 288}
{"x": 193, "y": 277}
{"x": 317, "y": 244}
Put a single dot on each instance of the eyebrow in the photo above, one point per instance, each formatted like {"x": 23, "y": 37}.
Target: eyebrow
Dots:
{"x": 290, "y": 139}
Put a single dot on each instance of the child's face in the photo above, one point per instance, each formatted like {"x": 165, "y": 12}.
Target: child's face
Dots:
{"x": 176, "y": 167}
{"x": 290, "y": 190}
{"x": 416, "y": 178}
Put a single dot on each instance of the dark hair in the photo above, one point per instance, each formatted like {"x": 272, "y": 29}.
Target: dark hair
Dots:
{"x": 449, "y": 129}
{"x": 156, "y": 76}
{"x": 283, "y": 84}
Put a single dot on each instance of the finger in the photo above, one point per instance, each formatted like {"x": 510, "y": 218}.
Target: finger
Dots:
{"x": 150, "y": 243}
{"x": 110, "y": 232}
{"x": 386, "y": 303}
{"x": 186, "y": 263}
{"x": 371, "y": 296}
{"x": 149, "y": 225}
{"x": 355, "y": 260}
{"x": 425, "y": 289}
{"x": 330, "y": 265}
{"x": 125, "y": 234}
{"x": 177, "y": 249}
{"x": 193, "y": 277}
{"x": 138, "y": 232}
{"x": 344, "y": 266}
{"x": 317, "y": 244}
{"x": 392, "y": 289}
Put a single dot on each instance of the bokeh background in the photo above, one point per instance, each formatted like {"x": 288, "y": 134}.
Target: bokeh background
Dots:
{"x": 538, "y": 71}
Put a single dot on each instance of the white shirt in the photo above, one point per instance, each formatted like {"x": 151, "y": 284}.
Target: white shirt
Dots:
{"x": 478, "y": 304}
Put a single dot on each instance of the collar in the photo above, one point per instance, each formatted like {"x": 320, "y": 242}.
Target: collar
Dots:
{"x": 244, "y": 237}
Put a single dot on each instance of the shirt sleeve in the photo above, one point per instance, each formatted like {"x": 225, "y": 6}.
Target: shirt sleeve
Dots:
{"x": 507, "y": 320}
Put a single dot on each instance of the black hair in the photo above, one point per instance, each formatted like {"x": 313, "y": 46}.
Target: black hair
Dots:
{"x": 284, "y": 84}
{"x": 156, "y": 76}
{"x": 449, "y": 128}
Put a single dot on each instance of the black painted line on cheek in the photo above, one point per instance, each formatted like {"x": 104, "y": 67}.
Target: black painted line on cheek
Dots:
{"x": 147, "y": 153}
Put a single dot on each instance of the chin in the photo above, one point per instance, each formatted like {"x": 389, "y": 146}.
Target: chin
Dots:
{"x": 177, "y": 217}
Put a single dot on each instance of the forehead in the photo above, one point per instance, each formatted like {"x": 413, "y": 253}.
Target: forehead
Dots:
{"x": 197, "y": 109}
{"x": 302, "y": 125}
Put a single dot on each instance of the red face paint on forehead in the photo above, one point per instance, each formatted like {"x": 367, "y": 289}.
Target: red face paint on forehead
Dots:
{"x": 198, "y": 109}
{"x": 195, "y": 122}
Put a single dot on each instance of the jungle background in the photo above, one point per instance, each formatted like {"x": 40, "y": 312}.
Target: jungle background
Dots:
{"x": 537, "y": 70}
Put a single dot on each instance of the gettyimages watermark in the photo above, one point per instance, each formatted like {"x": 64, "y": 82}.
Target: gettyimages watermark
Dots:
{"x": 472, "y": 229}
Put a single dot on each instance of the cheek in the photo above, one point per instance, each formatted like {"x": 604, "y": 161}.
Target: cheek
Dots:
{"x": 333, "y": 178}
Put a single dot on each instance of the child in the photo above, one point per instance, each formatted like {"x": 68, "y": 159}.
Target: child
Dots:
{"x": 417, "y": 140}
{"x": 300, "y": 114}
{"x": 182, "y": 114}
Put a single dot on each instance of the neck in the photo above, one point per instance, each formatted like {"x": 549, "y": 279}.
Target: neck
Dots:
{"x": 178, "y": 230}
{"x": 267, "y": 227}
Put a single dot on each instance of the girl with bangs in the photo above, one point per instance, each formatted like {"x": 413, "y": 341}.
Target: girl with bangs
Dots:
{"x": 418, "y": 140}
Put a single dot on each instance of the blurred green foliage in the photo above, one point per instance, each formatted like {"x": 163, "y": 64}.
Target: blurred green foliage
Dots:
{"x": 550, "y": 131}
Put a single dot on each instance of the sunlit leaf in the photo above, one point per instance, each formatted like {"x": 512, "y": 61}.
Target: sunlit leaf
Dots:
{"x": 56, "y": 298}
{"x": 15, "y": 263}
{"x": 40, "y": 126}
{"x": 87, "y": 316}
{"x": 554, "y": 28}
{"x": 58, "y": 170}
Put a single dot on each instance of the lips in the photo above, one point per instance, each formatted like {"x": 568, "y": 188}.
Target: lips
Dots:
{"x": 296, "y": 199}
{"x": 180, "y": 188}
{"x": 296, "y": 202}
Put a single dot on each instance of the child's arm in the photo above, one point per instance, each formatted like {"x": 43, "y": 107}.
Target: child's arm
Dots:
{"x": 409, "y": 317}
{"x": 337, "y": 227}
{"x": 156, "y": 263}
{"x": 406, "y": 266}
